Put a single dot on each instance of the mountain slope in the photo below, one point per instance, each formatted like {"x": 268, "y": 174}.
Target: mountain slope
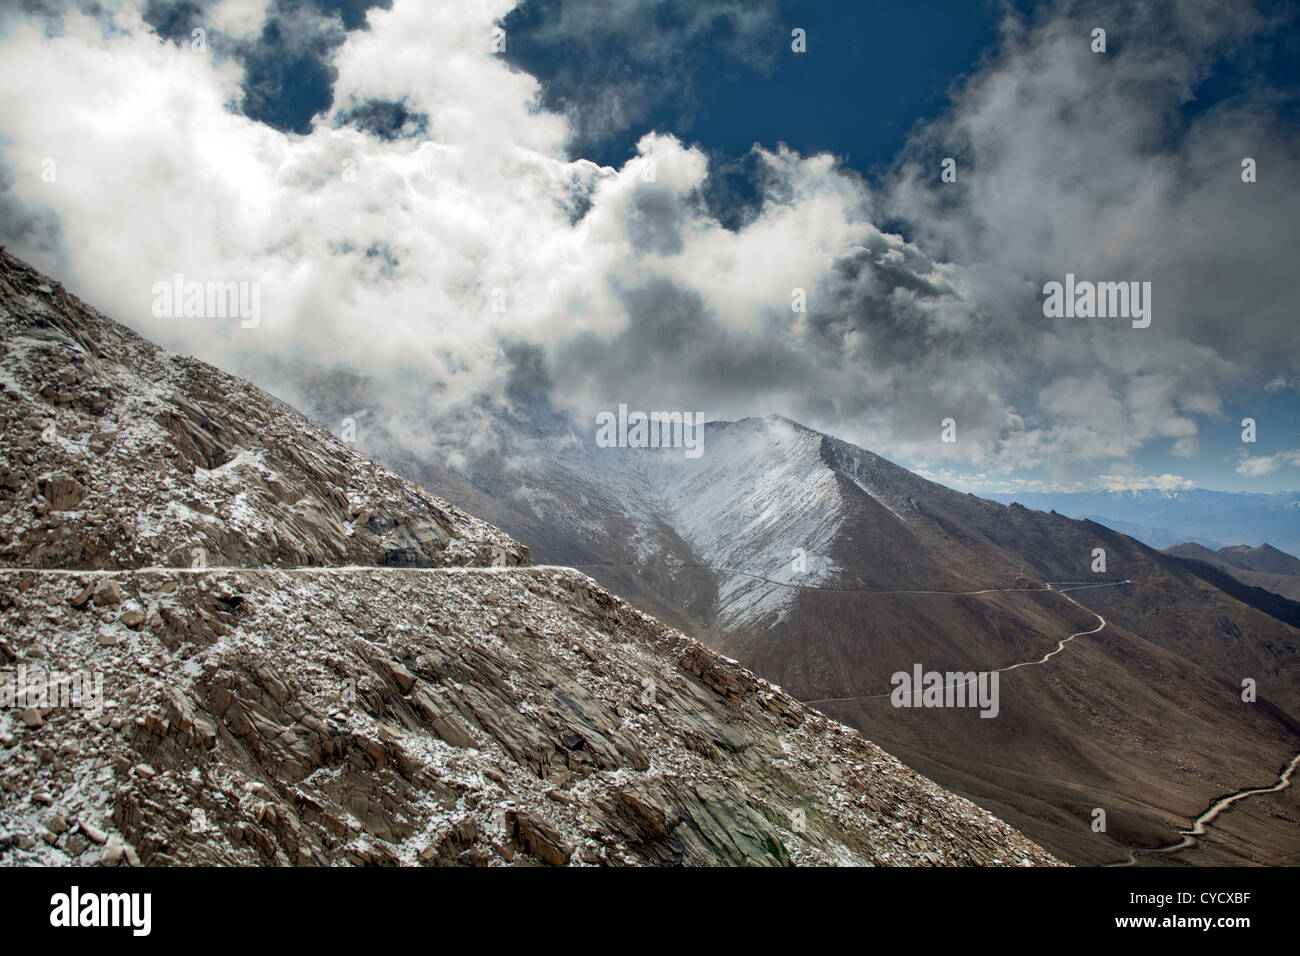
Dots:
{"x": 1266, "y": 559}
{"x": 811, "y": 547}
{"x": 356, "y": 671}
{"x": 120, "y": 454}
{"x": 1143, "y": 719}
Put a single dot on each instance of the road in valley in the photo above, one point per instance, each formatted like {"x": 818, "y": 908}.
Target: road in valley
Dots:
{"x": 1203, "y": 822}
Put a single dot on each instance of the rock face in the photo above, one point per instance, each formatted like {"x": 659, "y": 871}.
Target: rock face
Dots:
{"x": 447, "y": 716}
{"x": 442, "y": 704}
{"x": 119, "y": 454}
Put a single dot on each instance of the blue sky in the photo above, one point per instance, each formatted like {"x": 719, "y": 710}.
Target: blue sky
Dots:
{"x": 874, "y": 70}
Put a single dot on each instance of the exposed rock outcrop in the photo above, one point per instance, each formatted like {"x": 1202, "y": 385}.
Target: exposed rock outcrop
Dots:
{"x": 119, "y": 454}
{"x": 443, "y": 716}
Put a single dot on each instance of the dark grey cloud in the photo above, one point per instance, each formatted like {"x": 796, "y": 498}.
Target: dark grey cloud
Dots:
{"x": 31, "y": 226}
{"x": 655, "y": 218}
{"x": 527, "y": 373}
{"x": 176, "y": 19}
{"x": 675, "y": 353}
{"x": 878, "y": 308}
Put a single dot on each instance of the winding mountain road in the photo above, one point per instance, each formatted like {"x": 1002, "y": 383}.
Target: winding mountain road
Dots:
{"x": 1202, "y": 823}
{"x": 1001, "y": 670}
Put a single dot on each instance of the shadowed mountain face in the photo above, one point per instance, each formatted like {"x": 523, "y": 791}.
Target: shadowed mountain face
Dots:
{"x": 1263, "y": 567}
{"x": 816, "y": 564}
{"x": 293, "y": 656}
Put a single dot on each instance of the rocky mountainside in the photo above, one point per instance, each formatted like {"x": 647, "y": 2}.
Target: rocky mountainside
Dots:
{"x": 229, "y": 639}
{"x": 827, "y": 569}
{"x": 139, "y": 457}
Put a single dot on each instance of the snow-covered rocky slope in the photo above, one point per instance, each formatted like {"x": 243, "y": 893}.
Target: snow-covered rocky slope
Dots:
{"x": 120, "y": 454}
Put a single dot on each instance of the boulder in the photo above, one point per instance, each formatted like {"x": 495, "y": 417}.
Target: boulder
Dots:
{"x": 62, "y": 492}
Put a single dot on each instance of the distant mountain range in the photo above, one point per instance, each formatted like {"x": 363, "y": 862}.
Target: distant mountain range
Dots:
{"x": 1163, "y": 519}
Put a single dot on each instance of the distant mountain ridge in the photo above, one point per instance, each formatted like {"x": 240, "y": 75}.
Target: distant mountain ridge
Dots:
{"x": 1263, "y": 567}
{"x": 1163, "y": 519}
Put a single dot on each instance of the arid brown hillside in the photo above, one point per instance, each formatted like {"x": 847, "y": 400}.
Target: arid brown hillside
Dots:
{"x": 1143, "y": 718}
